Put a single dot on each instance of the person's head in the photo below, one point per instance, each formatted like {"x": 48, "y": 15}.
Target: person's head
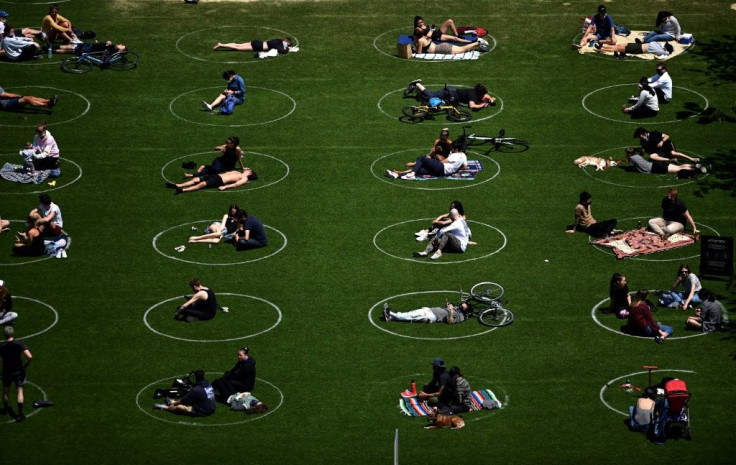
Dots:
{"x": 199, "y": 375}
{"x": 467, "y": 308}
{"x": 585, "y": 198}
{"x": 650, "y": 393}
{"x": 53, "y": 9}
{"x": 195, "y": 283}
{"x": 228, "y": 75}
{"x": 29, "y": 144}
{"x": 668, "y": 46}
{"x": 457, "y": 205}
{"x": 3, "y": 16}
{"x": 233, "y": 210}
{"x": 629, "y": 152}
{"x": 418, "y": 21}
{"x": 672, "y": 194}
{"x": 438, "y": 365}
{"x": 9, "y": 332}
{"x": 243, "y": 353}
{"x": 242, "y": 216}
{"x": 455, "y": 371}
{"x": 288, "y": 41}
{"x": 706, "y": 294}
{"x": 418, "y": 33}
{"x": 641, "y": 133}
{"x": 601, "y": 10}
{"x": 661, "y": 68}
{"x": 41, "y": 129}
{"x": 3, "y": 292}
{"x": 444, "y": 133}
{"x": 683, "y": 271}
{"x": 480, "y": 90}
{"x": 662, "y": 17}
{"x": 257, "y": 406}
{"x": 618, "y": 280}
{"x": 44, "y": 199}
{"x": 232, "y": 141}
{"x": 250, "y": 174}
{"x": 641, "y": 295}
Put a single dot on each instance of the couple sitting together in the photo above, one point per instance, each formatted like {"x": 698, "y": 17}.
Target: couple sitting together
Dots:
{"x": 428, "y": 39}
{"x": 445, "y": 159}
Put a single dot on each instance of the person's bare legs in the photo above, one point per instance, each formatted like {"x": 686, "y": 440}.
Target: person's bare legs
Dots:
{"x": 244, "y": 47}
{"x": 449, "y": 24}
{"x": 471, "y": 46}
{"x": 211, "y": 238}
{"x": 194, "y": 186}
{"x": 187, "y": 175}
{"x": 447, "y": 37}
{"x": 677, "y": 168}
{"x": 33, "y": 101}
{"x": 218, "y": 100}
{"x": 613, "y": 48}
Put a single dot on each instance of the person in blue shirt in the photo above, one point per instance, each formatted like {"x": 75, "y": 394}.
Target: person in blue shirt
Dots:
{"x": 199, "y": 402}
{"x": 601, "y": 29}
{"x": 235, "y": 87}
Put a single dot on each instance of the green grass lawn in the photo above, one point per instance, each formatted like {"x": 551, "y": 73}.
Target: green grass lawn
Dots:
{"x": 321, "y": 127}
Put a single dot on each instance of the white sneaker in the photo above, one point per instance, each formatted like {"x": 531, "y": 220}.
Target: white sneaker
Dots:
{"x": 422, "y": 238}
{"x": 391, "y": 174}
{"x": 180, "y": 249}
{"x": 408, "y": 176}
{"x": 436, "y": 255}
{"x": 206, "y": 106}
{"x": 63, "y": 253}
{"x": 58, "y": 253}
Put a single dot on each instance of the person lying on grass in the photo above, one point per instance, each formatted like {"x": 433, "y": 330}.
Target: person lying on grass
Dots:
{"x": 449, "y": 314}
{"x": 476, "y": 98}
{"x": 425, "y": 45}
{"x": 222, "y": 181}
{"x": 645, "y": 166}
{"x": 78, "y": 49}
{"x": 280, "y": 45}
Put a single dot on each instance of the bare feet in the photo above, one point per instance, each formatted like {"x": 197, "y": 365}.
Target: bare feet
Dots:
{"x": 187, "y": 175}
{"x": 217, "y": 47}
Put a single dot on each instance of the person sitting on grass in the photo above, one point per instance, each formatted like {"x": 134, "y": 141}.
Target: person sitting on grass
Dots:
{"x": 646, "y": 105}
{"x": 6, "y": 305}
{"x": 440, "y": 222}
{"x": 426, "y": 45}
{"x": 431, "y": 391}
{"x": 449, "y": 314}
{"x": 234, "y": 91}
{"x": 199, "y": 402}
{"x": 621, "y": 50}
{"x": 47, "y": 150}
{"x": 280, "y": 45}
{"x": 435, "y": 167}
{"x": 222, "y": 181}
{"x": 245, "y": 401}
{"x": 476, "y": 98}
{"x": 674, "y": 217}
{"x": 661, "y": 82}
{"x": 241, "y": 378}
{"x": 216, "y": 232}
{"x": 600, "y": 30}
{"x": 18, "y": 48}
{"x": 618, "y": 294}
{"x": 202, "y": 306}
{"x": 250, "y": 234}
{"x": 641, "y": 415}
{"x": 585, "y": 222}
{"x": 56, "y": 26}
{"x": 711, "y": 316}
{"x": 231, "y": 154}
{"x": 669, "y": 29}
{"x": 460, "y": 400}
{"x": 29, "y": 243}
{"x": 14, "y": 102}
{"x": 659, "y": 146}
{"x": 452, "y": 239}
{"x": 641, "y": 322}
{"x": 642, "y": 165}
{"x": 25, "y": 31}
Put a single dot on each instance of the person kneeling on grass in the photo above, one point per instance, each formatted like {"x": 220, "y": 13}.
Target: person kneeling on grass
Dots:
{"x": 453, "y": 238}
{"x": 199, "y": 402}
{"x": 202, "y": 306}
{"x": 449, "y": 314}
{"x": 221, "y": 181}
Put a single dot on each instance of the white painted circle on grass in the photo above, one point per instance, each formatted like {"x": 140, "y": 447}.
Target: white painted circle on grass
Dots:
{"x": 394, "y": 333}
{"x": 647, "y": 121}
{"x": 669, "y": 338}
{"x": 440, "y": 120}
{"x": 34, "y": 411}
{"x": 50, "y": 123}
{"x": 614, "y": 380}
{"x": 189, "y": 421}
{"x": 155, "y": 246}
{"x": 238, "y": 338}
{"x": 49, "y": 188}
{"x": 229, "y": 117}
{"x": 417, "y": 184}
{"x": 249, "y": 187}
{"x": 440, "y": 262}
{"x": 38, "y": 333}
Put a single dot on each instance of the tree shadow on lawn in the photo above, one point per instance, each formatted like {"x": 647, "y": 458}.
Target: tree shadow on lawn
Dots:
{"x": 723, "y": 166}
{"x": 719, "y": 56}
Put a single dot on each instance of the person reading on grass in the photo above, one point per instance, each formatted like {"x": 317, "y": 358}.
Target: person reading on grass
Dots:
{"x": 449, "y": 314}
{"x": 434, "y": 167}
{"x": 222, "y": 181}
{"x": 202, "y": 306}
{"x": 585, "y": 222}
{"x": 280, "y": 45}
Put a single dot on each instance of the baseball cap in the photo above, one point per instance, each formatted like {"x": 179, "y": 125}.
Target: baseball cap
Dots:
{"x": 601, "y": 8}
{"x": 438, "y": 362}
{"x": 4, "y": 14}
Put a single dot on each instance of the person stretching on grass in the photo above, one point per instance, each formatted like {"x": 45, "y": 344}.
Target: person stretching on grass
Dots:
{"x": 14, "y": 371}
{"x": 449, "y": 314}
{"x": 222, "y": 181}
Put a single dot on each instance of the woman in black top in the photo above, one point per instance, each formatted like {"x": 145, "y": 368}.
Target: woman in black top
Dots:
{"x": 201, "y": 306}
{"x": 231, "y": 154}
{"x": 619, "y": 295}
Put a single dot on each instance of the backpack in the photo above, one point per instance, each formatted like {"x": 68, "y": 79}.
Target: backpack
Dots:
{"x": 623, "y": 31}
{"x": 228, "y": 105}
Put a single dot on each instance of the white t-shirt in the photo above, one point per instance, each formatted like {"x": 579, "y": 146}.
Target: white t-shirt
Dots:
{"x": 52, "y": 208}
{"x": 454, "y": 162}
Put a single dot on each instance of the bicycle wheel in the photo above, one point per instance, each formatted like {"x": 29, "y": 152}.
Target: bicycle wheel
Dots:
{"x": 473, "y": 142}
{"x": 511, "y": 145}
{"x": 121, "y": 61}
{"x": 414, "y": 112}
{"x": 76, "y": 65}
{"x": 458, "y": 116}
{"x": 496, "y": 317}
{"x": 486, "y": 291}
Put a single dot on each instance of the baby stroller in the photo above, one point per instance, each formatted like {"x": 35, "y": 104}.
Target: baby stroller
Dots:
{"x": 672, "y": 413}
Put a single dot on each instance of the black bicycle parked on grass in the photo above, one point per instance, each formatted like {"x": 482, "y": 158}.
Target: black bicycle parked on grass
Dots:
{"x": 486, "y": 299}
{"x": 498, "y": 143}
{"x": 84, "y": 63}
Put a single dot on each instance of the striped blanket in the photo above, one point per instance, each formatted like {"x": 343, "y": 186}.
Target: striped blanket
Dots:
{"x": 641, "y": 242}
{"x": 474, "y": 166}
{"x": 17, "y": 173}
{"x": 414, "y": 407}
{"x": 470, "y": 55}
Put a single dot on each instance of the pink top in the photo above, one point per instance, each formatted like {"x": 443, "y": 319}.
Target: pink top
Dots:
{"x": 47, "y": 144}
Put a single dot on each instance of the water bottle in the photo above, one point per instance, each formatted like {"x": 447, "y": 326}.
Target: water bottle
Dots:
{"x": 638, "y": 224}
{"x": 50, "y": 51}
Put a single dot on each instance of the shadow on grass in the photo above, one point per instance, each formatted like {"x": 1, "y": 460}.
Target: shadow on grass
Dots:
{"x": 723, "y": 166}
{"x": 719, "y": 56}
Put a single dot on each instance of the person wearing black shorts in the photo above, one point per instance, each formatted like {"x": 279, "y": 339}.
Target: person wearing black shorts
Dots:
{"x": 221, "y": 181}
{"x": 280, "y": 45}
{"x": 14, "y": 371}
{"x": 201, "y": 306}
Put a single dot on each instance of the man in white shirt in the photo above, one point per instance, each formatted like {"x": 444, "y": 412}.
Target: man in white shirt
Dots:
{"x": 661, "y": 82}
{"x": 452, "y": 239}
{"x": 49, "y": 214}
{"x": 19, "y": 48}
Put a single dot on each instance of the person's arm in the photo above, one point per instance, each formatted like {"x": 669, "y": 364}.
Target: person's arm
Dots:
{"x": 201, "y": 295}
{"x": 639, "y": 102}
{"x": 48, "y": 218}
{"x": 690, "y": 295}
{"x": 239, "y": 153}
{"x": 29, "y": 357}
{"x": 220, "y": 148}
{"x": 451, "y": 318}
{"x": 691, "y": 221}
{"x": 223, "y": 222}
{"x": 479, "y": 106}
{"x": 9, "y": 95}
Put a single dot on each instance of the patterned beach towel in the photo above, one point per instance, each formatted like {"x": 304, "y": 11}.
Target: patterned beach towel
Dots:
{"x": 471, "y": 55}
{"x": 641, "y": 242}
{"x": 17, "y": 173}
{"x": 678, "y": 48}
{"x": 414, "y": 407}
{"x": 474, "y": 166}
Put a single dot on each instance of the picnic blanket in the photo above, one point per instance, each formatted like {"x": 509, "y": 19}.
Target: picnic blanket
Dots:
{"x": 642, "y": 242}
{"x": 471, "y": 55}
{"x": 678, "y": 48}
{"x": 18, "y": 173}
{"x": 415, "y": 407}
{"x": 474, "y": 166}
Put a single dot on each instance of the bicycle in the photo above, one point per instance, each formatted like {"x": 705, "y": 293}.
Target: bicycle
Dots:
{"x": 418, "y": 113}
{"x": 498, "y": 143}
{"x": 486, "y": 298}
{"x": 118, "y": 61}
